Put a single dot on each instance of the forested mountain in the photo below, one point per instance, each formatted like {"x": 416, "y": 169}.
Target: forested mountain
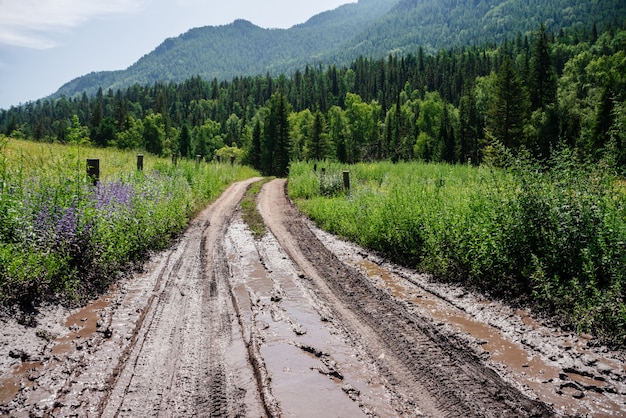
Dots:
{"x": 369, "y": 28}
{"x": 238, "y": 49}
{"x": 434, "y": 25}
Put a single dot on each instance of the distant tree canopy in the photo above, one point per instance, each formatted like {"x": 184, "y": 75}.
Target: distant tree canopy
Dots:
{"x": 532, "y": 93}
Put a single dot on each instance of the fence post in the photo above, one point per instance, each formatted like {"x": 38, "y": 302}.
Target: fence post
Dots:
{"x": 140, "y": 162}
{"x": 93, "y": 170}
{"x": 346, "y": 180}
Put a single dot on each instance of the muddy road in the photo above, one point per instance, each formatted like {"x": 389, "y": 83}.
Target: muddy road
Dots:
{"x": 295, "y": 324}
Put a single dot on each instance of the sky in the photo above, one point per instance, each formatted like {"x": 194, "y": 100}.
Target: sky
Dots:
{"x": 46, "y": 43}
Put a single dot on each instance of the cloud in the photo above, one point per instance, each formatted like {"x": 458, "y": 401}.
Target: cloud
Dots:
{"x": 34, "y": 23}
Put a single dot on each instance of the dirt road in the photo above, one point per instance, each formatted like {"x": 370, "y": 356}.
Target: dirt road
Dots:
{"x": 296, "y": 324}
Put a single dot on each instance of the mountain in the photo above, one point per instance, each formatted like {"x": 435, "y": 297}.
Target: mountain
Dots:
{"x": 443, "y": 24}
{"x": 237, "y": 49}
{"x": 371, "y": 28}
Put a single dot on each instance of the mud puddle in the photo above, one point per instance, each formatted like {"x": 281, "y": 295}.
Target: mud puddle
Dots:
{"x": 313, "y": 371}
{"x": 516, "y": 345}
{"x": 77, "y": 333}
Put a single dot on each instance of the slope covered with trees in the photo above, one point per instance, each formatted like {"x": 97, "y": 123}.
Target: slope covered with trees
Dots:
{"x": 240, "y": 48}
{"x": 369, "y": 28}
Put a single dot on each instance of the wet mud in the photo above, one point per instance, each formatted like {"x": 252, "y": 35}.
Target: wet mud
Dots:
{"x": 295, "y": 324}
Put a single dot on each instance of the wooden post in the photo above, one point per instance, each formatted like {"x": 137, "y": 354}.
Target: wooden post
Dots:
{"x": 93, "y": 170}
{"x": 346, "y": 180}
{"x": 140, "y": 162}
{"x": 198, "y": 158}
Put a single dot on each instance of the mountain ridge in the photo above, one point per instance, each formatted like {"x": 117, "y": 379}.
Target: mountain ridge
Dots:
{"x": 370, "y": 28}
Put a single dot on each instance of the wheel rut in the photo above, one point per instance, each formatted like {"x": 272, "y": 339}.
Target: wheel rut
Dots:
{"x": 418, "y": 361}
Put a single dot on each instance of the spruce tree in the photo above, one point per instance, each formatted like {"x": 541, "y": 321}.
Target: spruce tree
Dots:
{"x": 470, "y": 129}
{"x": 276, "y": 142}
{"x": 184, "y": 141}
{"x": 543, "y": 78}
{"x": 509, "y": 107}
{"x": 254, "y": 153}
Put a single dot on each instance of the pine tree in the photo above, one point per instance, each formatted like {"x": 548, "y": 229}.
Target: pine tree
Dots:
{"x": 184, "y": 141}
{"x": 276, "y": 142}
{"x": 445, "y": 138}
{"x": 509, "y": 107}
{"x": 543, "y": 78}
{"x": 254, "y": 153}
{"x": 319, "y": 138}
{"x": 603, "y": 119}
{"x": 470, "y": 129}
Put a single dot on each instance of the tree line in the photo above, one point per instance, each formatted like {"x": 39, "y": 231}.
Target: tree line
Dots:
{"x": 460, "y": 105}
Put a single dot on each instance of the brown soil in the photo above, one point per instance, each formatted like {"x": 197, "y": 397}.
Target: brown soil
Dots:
{"x": 297, "y": 323}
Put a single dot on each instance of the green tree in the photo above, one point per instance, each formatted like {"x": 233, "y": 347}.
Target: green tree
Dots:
{"x": 603, "y": 119}
{"x": 363, "y": 119}
{"x": 184, "y": 141}
{"x": 470, "y": 128}
{"x": 254, "y": 152}
{"x": 446, "y": 138}
{"x": 207, "y": 139}
{"x": 509, "y": 107}
{"x": 154, "y": 133}
{"x": 233, "y": 130}
{"x": 428, "y": 125}
{"x": 301, "y": 128}
{"x": 132, "y": 136}
{"x": 338, "y": 132}
{"x": 276, "y": 144}
{"x": 104, "y": 133}
{"x": 318, "y": 147}
{"x": 543, "y": 77}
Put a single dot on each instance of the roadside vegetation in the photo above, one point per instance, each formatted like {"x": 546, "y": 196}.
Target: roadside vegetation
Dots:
{"x": 63, "y": 238}
{"x": 552, "y": 238}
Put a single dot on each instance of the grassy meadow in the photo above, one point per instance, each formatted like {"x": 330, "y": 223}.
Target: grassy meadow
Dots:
{"x": 63, "y": 238}
{"x": 553, "y": 239}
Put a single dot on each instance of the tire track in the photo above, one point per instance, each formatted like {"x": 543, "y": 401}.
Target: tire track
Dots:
{"x": 178, "y": 365}
{"x": 409, "y": 349}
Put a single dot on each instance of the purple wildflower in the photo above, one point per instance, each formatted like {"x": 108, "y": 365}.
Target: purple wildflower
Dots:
{"x": 109, "y": 195}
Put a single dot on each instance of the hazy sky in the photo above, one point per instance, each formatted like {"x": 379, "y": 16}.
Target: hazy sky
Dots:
{"x": 46, "y": 43}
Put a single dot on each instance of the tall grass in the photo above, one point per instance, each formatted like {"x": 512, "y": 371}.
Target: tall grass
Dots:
{"x": 550, "y": 238}
{"x": 61, "y": 237}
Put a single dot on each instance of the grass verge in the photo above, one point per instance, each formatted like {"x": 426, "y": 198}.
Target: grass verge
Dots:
{"x": 249, "y": 212}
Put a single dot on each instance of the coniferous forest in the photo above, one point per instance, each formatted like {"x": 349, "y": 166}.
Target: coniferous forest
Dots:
{"x": 461, "y": 105}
